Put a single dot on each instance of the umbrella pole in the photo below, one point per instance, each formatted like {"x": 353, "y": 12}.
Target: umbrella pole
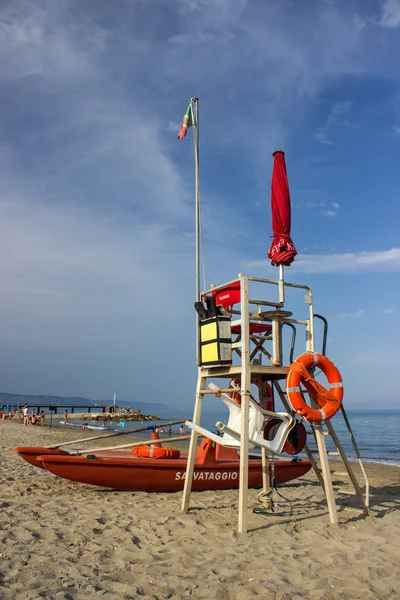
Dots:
{"x": 281, "y": 285}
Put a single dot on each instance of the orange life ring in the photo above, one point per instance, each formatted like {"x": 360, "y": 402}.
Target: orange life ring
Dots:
{"x": 329, "y": 401}
{"x": 154, "y": 452}
{"x": 236, "y": 397}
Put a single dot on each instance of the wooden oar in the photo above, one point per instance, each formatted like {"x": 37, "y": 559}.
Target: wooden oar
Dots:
{"x": 144, "y": 443}
{"x": 102, "y": 436}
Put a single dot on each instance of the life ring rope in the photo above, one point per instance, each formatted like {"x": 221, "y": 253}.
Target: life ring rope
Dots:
{"x": 317, "y": 391}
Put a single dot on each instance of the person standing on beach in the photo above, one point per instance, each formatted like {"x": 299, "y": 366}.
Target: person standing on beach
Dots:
{"x": 65, "y": 416}
{"x": 25, "y": 413}
{"x": 169, "y": 430}
{"x": 181, "y": 430}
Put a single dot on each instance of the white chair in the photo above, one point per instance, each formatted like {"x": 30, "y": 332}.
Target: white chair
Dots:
{"x": 258, "y": 419}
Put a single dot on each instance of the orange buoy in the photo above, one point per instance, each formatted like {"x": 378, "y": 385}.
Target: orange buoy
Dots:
{"x": 236, "y": 397}
{"x": 329, "y": 401}
{"x": 153, "y": 452}
{"x": 154, "y": 436}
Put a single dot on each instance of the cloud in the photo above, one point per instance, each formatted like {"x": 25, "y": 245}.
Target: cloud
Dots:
{"x": 38, "y": 41}
{"x": 96, "y": 209}
{"x": 74, "y": 272}
{"x": 322, "y": 204}
{"x": 387, "y": 311}
{"x": 380, "y": 357}
{"x": 357, "y": 314}
{"x": 82, "y": 135}
{"x": 331, "y": 212}
{"x": 321, "y": 136}
{"x": 324, "y": 134}
{"x": 338, "y": 110}
{"x": 391, "y": 14}
{"x": 258, "y": 39}
{"x": 349, "y": 263}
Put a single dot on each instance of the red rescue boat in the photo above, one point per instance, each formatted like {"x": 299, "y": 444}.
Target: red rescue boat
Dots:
{"x": 216, "y": 468}
{"x": 30, "y": 454}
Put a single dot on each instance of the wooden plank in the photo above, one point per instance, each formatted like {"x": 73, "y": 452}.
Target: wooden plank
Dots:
{"x": 270, "y": 372}
{"x": 262, "y": 395}
{"x": 360, "y": 462}
{"x": 245, "y": 394}
{"x": 276, "y": 343}
{"x": 323, "y": 457}
{"x": 220, "y": 391}
{"x": 349, "y": 470}
{"x": 132, "y": 445}
{"x": 115, "y": 434}
{"x": 347, "y": 492}
{"x": 201, "y": 383}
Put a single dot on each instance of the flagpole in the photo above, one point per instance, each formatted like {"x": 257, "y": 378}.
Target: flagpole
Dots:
{"x": 194, "y": 103}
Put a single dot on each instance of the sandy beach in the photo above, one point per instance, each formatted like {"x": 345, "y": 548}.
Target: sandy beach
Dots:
{"x": 65, "y": 540}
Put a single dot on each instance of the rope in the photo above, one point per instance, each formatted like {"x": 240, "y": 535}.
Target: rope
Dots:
{"x": 268, "y": 503}
{"x": 315, "y": 389}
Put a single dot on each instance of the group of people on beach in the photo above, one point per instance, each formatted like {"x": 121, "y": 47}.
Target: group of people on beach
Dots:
{"x": 122, "y": 410}
{"x": 34, "y": 419}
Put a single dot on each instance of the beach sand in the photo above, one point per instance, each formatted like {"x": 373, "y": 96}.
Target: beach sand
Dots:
{"x": 65, "y": 540}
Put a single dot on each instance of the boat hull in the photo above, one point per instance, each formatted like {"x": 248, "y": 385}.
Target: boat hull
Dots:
{"x": 149, "y": 475}
{"x": 107, "y": 428}
{"x": 31, "y": 453}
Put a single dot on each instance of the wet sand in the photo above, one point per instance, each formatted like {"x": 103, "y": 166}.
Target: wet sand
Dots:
{"x": 66, "y": 540}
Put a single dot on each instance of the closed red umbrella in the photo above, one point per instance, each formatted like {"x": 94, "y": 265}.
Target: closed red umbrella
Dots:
{"x": 282, "y": 251}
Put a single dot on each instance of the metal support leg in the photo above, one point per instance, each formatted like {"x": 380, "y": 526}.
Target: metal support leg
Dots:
{"x": 201, "y": 382}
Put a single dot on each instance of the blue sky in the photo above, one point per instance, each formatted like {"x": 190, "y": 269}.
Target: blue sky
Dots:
{"x": 96, "y": 202}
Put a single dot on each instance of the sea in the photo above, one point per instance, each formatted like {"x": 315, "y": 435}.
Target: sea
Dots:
{"x": 376, "y": 432}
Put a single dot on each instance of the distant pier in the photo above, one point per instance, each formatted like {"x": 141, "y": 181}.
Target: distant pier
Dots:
{"x": 112, "y": 412}
{"x": 88, "y": 408}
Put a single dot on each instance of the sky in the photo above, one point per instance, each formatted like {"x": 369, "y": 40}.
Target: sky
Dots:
{"x": 97, "y": 257}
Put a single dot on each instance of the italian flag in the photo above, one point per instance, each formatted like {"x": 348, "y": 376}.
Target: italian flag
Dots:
{"x": 187, "y": 122}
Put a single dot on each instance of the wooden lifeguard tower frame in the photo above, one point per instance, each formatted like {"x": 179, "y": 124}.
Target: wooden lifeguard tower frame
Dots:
{"x": 268, "y": 312}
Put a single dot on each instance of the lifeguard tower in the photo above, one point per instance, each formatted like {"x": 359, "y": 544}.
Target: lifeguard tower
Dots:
{"x": 239, "y": 323}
